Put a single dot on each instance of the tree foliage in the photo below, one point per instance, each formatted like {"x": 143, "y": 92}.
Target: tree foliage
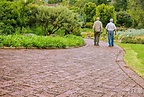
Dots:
{"x": 121, "y": 5}
{"x": 124, "y": 19}
{"x": 13, "y": 15}
{"x": 136, "y": 11}
{"x": 22, "y": 16}
{"x": 105, "y": 12}
{"x": 57, "y": 18}
{"x": 90, "y": 11}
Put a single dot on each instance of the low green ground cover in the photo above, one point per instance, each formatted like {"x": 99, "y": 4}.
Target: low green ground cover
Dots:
{"x": 134, "y": 57}
{"x": 30, "y": 41}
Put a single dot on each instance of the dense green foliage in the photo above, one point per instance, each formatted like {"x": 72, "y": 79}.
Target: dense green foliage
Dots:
{"x": 105, "y": 12}
{"x": 90, "y": 11}
{"x": 123, "y": 19}
{"x": 121, "y": 5}
{"x": 29, "y": 41}
{"x": 38, "y": 17}
{"x": 20, "y": 17}
{"x": 58, "y": 18}
{"x": 135, "y": 9}
{"x": 134, "y": 57}
{"x": 13, "y": 15}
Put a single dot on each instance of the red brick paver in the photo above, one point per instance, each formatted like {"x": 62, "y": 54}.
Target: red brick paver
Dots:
{"x": 88, "y": 71}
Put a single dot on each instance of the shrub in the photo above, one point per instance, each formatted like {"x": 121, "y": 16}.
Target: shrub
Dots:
{"x": 105, "y": 12}
{"x": 29, "y": 41}
{"x": 57, "y": 18}
{"x": 90, "y": 11}
{"x": 89, "y": 25}
{"x": 13, "y": 15}
{"x": 133, "y": 40}
{"x": 124, "y": 19}
{"x": 28, "y": 18}
{"x": 87, "y": 32}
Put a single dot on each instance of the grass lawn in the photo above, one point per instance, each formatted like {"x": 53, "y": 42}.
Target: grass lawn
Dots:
{"x": 134, "y": 57}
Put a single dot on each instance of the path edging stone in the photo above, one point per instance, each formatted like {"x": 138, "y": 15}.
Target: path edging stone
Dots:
{"x": 131, "y": 74}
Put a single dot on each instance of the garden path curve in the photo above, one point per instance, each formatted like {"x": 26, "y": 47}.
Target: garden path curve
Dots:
{"x": 88, "y": 71}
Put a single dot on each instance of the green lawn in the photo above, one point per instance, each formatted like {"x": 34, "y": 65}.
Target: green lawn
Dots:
{"x": 134, "y": 57}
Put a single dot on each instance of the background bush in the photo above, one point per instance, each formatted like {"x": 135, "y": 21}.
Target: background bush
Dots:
{"x": 13, "y": 15}
{"x": 89, "y": 25}
{"x": 105, "y": 12}
{"x": 57, "y": 18}
{"x": 90, "y": 11}
{"x": 124, "y": 19}
{"x": 26, "y": 18}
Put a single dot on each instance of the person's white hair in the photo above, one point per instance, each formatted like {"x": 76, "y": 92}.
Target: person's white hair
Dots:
{"x": 97, "y": 18}
{"x": 111, "y": 20}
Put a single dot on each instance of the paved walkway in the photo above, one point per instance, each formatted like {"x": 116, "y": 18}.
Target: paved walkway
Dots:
{"x": 88, "y": 71}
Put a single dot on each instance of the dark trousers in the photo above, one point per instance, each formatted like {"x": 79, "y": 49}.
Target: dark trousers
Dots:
{"x": 96, "y": 38}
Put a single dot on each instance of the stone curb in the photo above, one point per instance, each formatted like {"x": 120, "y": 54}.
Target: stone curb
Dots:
{"x": 131, "y": 74}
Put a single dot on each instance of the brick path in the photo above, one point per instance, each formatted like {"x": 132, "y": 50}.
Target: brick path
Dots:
{"x": 88, "y": 71}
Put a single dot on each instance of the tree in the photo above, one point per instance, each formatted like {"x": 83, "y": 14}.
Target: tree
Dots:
{"x": 90, "y": 11}
{"x": 142, "y": 3}
{"x": 121, "y": 5}
{"x": 57, "y": 18}
{"x": 105, "y": 12}
{"x": 124, "y": 19}
{"x": 13, "y": 15}
{"x": 135, "y": 9}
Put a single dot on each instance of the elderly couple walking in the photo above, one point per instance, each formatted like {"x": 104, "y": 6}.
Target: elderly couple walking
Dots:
{"x": 110, "y": 30}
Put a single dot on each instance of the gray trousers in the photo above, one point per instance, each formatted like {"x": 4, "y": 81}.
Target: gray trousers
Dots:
{"x": 96, "y": 38}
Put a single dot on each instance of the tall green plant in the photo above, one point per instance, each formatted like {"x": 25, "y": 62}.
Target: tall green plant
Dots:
{"x": 135, "y": 9}
{"x": 105, "y": 12}
{"x": 124, "y": 19}
{"x": 57, "y": 18}
{"x": 13, "y": 15}
{"x": 121, "y": 5}
{"x": 8, "y": 21}
{"x": 90, "y": 11}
